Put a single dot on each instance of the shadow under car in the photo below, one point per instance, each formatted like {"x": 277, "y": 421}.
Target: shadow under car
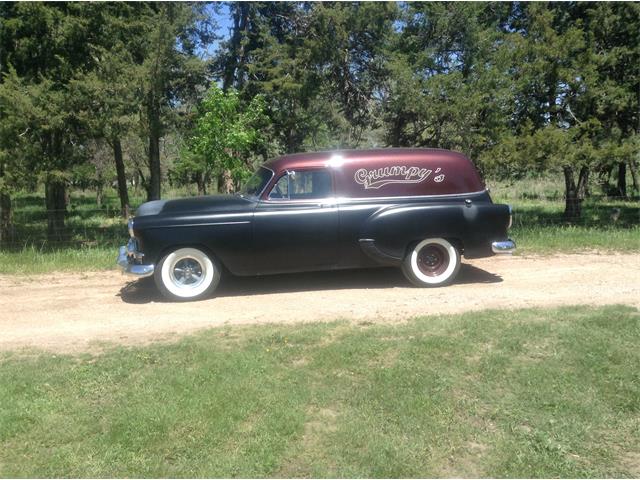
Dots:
{"x": 144, "y": 290}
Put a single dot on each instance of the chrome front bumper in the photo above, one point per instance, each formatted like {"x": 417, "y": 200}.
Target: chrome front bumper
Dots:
{"x": 127, "y": 257}
{"x": 503, "y": 247}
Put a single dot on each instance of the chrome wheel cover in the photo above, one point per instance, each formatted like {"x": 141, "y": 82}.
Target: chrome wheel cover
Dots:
{"x": 187, "y": 272}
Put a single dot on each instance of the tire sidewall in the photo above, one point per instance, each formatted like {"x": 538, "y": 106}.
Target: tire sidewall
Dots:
{"x": 418, "y": 278}
{"x": 174, "y": 292}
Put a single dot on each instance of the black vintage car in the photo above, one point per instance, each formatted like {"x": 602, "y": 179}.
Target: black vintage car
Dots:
{"x": 418, "y": 209}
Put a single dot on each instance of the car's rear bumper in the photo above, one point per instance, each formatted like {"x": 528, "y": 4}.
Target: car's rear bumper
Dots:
{"x": 503, "y": 247}
{"x": 127, "y": 258}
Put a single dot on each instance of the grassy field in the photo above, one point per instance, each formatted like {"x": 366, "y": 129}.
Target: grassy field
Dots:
{"x": 529, "y": 393}
{"x": 606, "y": 225}
{"x": 539, "y": 228}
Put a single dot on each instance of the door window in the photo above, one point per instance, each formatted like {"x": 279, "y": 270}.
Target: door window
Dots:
{"x": 303, "y": 185}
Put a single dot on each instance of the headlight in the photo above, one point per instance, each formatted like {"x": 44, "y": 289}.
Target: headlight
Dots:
{"x": 130, "y": 226}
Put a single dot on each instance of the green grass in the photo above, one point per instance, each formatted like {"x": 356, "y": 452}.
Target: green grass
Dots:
{"x": 539, "y": 228}
{"x": 91, "y": 242}
{"x": 33, "y": 260}
{"x": 529, "y": 393}
{"x": 606, "y": 225}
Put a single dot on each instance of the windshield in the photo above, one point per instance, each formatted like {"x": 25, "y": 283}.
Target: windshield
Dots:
{"x": 255, "y": 185}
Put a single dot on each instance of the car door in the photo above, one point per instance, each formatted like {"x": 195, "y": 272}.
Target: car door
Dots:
{"x": 296, "y": 227}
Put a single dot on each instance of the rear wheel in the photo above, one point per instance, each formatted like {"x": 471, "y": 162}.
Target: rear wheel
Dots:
{"x": 187, "y": 274}
{"x": 433, "y": 262}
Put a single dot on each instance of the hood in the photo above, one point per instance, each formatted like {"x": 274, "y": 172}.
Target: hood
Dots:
{"x": 195, "y": 205}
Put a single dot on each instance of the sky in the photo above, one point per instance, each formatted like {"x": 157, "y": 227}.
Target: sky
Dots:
{"x": 223, "y": 30}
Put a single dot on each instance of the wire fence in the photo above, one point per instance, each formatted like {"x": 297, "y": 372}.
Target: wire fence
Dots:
{"x": 78, "y": 226}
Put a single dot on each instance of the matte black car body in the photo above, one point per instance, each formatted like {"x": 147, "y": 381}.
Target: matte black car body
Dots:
{"x": 375, "y": 206}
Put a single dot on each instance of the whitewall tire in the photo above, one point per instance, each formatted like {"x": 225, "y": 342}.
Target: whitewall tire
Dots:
{"x": 187, "y": 274}
{"x": 433, "y": 262}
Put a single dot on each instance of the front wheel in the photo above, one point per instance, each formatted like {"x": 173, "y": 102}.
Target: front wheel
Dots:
{"x": 187, "y": 274}
{"x": 433, "y": 262}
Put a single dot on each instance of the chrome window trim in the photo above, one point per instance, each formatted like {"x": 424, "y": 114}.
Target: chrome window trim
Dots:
{"x": 273, "y": 174}
{"x": 409, "y": 197}
{"x": 258, "y": 195}
{"x": 315, "y": 201}
{"x": 288, "y": 175}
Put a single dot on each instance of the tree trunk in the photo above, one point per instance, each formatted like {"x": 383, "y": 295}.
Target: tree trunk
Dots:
{"x": 207, "y": 182}
{"x": 583, "y": 180}
{"x": 142, "y": 181}
{"x": 153, "y": 192}
{"x": 202, "y": 185}
{"x": 155, "y": 132}
{"x": 99, "y": 191}
{"x": 621, "y": 185}
{"x": 225, "y": 182}
{"x": 574, "y": 194}
{"x": 634, "y": 176}
{"x": 622, "y": 180}
{"x": 122, "y": 178}
{"x": 56, "y": 203}
{"x": 235, "y": 64}
{"x": 5, "y": 218}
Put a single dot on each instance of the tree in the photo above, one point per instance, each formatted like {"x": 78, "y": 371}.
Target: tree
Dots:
{"x": 448, "y": 86}
{"x": 105, "y": 96}
{"x": 171, "y": 73}
{"x": 348, "y": 48}
{"x": 570, "y": 70}
{"x": 226, "y": 132}
{"x": 614, "y": 43}
{"x": 550, "y": 69}
{"x": 319, "y": 67}
{"x": 41, "y": 53}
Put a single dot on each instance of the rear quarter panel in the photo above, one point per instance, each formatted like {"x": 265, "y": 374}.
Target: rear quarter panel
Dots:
{"x": 472, "y": 226}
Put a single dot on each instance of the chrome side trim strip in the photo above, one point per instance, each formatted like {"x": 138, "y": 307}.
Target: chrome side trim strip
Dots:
{"x": 346, "y": 200}
{"x": 202, "y": 224}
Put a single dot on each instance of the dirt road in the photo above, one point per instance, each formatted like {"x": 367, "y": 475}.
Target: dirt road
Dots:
{"x": 83, "y": 312}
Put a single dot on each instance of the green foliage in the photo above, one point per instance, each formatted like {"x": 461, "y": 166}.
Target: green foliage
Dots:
{"x": 575, "y": 99}
{"x": 35, "y": 100}
{"x": 226, "y": 132}
{"x": 447, "y": 87}
{"x": 74, "y": 73}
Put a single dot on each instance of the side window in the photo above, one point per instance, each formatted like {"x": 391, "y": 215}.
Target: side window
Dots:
{"x": 280, "y": 190}
{"x": 303, "y": 185}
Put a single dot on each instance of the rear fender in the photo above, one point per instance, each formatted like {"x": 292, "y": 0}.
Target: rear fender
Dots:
{"x": 471, "y": 227}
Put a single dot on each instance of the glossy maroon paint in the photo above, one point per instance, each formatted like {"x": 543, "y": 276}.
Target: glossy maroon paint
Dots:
{"x": 387, "y": 172}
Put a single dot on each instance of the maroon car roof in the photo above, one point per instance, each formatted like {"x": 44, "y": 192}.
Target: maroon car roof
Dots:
{"x": 320, "y": 159}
